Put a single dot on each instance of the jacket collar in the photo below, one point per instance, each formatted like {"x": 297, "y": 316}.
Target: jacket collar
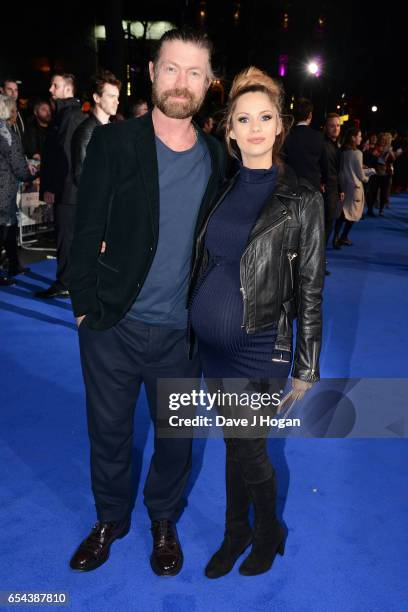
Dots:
{"x": 66, "y": 103}
{"x": 145, "y": 148}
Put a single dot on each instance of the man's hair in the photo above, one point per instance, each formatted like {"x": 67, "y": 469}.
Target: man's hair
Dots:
{"x": 39, "y": 102}
{"x": 68, "y": 78}
{"x": 303, "y": 108}
{"x": 100, "y": 79}
{"x": 186, "y": 35}
{"x": 332, "y": 116}
{"x": 8, "y": 79}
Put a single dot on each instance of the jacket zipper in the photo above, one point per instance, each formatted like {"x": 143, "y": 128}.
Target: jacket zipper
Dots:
{"x": 268, "y": 229}
{"x": 244, "y": 296}
{"x": 313, "y": 370}
{"x": 245, "y": 307}
{"x": 291, "y": 257}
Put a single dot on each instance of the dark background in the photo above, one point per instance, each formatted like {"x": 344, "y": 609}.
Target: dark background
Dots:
{"x": 362, "y": 48}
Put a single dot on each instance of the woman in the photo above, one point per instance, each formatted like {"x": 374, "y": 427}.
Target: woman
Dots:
{"x": 259, "y": 259}
{"x": 352, "y": 177}
{"x": 13, "y": 168}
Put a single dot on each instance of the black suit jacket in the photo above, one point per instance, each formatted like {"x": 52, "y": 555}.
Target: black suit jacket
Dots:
{"x": 56, "y": 175}
{"x": 118, "y": 201}
{"x": 304, "y": 150}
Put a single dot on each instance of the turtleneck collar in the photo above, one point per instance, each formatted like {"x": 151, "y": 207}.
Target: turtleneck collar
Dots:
{"x": 250, "y": 175}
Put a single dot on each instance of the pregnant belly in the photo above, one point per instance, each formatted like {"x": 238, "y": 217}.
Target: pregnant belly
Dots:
{"x": 217, "y": 308}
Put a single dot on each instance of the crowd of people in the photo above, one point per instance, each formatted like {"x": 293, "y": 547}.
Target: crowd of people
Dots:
{"x": 352, "y": 169}
{"x": 176, "y": 270}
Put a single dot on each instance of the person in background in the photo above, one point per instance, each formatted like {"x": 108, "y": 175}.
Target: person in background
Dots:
{"x": 384, "y": 167}
{"x": 36, "y": 131}
{"x": 208, "y": 124}
{"x": 333, "y": 194}
{"x": 139, "y": 108}
{"x": 57, "y": 187}
{"x": 9, "y": 87}
{"x": 352, "y": 179}
{"x": 13, "y": 169}
{"x": 304, "y": 148}
{"x": 105, "y": 90}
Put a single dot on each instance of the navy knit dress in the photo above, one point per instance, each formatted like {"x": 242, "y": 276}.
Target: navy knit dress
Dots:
{"x": 216, "y": 315}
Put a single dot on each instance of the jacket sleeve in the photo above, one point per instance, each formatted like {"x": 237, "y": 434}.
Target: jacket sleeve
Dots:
{"x": 311, "y": 267}
{"x": 17, "y": 161}
{"x": 93, "y": 199}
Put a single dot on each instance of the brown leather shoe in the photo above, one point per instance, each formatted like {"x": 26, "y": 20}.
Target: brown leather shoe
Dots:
{"x": 167, "y": 557}
{"x": 94, "y": 550}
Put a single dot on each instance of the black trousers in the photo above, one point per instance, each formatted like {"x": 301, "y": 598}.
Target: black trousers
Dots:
{"x": 8, "y": 240}
{"x": 64, "y": 218}
{"x": 115, "y": 362}
{"x": 380, "y": 183}
{"x": 331, "y": 212}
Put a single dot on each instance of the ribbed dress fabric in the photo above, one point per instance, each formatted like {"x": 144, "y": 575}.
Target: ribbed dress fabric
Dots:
{"x": 216, "y": 315}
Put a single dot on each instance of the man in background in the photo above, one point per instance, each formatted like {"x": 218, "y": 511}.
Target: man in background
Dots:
{"x": 105, "y": 89}
{"x": 57, "y": 186}
{"x": 9, "y": 87}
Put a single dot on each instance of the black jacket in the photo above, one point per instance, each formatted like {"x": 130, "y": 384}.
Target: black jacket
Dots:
{"x": 80, "y": 142}
{"x": 34, "y": 139}
{"x": 118, "y": 201}
{"x": 333, "y": 155}
{"x": 304, "y": 150}
{"x": 56, "y": 175}
{"x": 282, "y": 270}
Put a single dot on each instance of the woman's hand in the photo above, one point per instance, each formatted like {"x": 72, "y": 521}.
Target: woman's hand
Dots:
{"x": 299, "y": 388}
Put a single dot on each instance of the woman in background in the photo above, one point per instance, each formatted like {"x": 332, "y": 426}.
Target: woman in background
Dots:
{"x": 352, "y": 178}
{"x": 13, "y": 169}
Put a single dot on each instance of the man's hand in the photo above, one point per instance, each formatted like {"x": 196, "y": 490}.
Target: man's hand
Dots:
{"x": 299, "y": 388}
{"x": 49, "y": 198}
{"x": 80, "y": 319}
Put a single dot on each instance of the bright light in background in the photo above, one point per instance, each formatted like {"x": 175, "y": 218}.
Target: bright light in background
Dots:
{"x": 374, "y": 109}
{"x": 314, "y": 67}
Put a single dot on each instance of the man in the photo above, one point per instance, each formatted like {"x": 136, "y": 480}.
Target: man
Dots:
{"x": 304, "y": 148}
{"x": 139, "y": 108}
{"x": 57, "y": 186}
{"x": 105, "y": 89}
{"x": 9, "y": 87}
{"x": 332, "y": 191}
{"x": 37, "y": 130}
{"x": 145, "y": 189}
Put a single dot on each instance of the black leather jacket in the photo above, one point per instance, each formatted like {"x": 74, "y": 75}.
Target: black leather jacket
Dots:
{"x": 282, "y": 271}
{"x": 80, "y": 141}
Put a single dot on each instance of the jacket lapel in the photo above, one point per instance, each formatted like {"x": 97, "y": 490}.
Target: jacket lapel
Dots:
{"x": 146, "y": 155}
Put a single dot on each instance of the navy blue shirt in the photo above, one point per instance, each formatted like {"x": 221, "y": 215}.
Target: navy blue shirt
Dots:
{"x": 183, "y": 178}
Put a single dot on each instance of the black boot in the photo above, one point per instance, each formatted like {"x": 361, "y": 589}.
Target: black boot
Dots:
{"x": 269, "y": 534}
{"x": 238, "y": 534}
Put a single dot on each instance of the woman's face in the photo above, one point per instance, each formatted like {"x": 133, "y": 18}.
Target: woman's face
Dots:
{"x": 357, "y": 139}
{"x": 255, "y": 123}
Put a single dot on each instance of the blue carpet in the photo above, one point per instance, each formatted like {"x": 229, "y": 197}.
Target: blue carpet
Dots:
{"x": 344, "y": 501}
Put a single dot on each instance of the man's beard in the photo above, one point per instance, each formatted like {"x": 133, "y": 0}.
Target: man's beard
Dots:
{"x": 173, "y": 109}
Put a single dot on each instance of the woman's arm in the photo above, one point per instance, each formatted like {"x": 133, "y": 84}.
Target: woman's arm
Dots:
{"x": 310, "y": 279}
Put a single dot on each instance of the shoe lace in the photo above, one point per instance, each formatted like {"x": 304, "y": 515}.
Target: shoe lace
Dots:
{"x": 163, "y": 536}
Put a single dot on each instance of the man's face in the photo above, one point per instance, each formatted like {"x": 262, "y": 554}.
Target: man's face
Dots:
{"x": 141, "y": 109}
{"x": 333, "y": 128}
{"x": 43, "y": 113}
{"x": 11, "y": 89}
{"x": 59, "y": 90}
{"x": 180, "y": 79}
{"x": 109, "y": 100}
